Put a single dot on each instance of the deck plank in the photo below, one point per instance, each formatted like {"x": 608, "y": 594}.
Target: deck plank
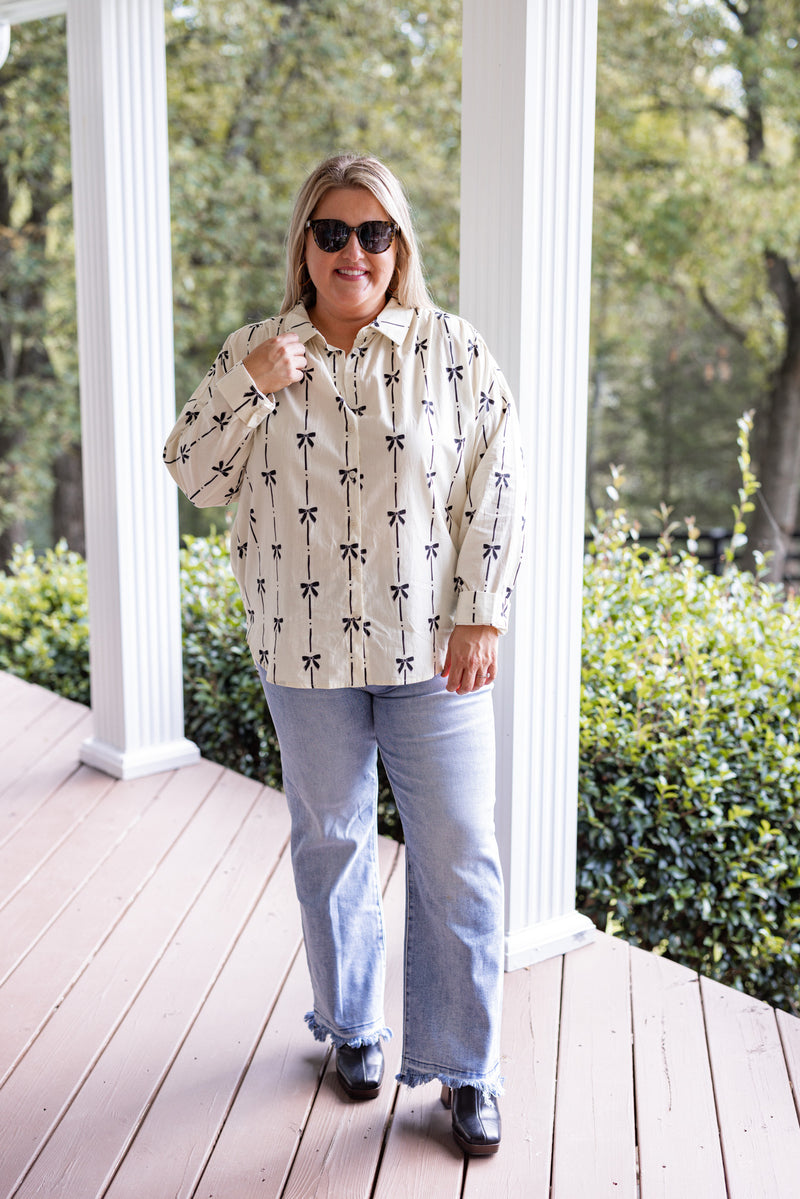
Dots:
{"x": 679, "y": 1150}
{"x": 531, "y": 1017}
{"x": 39, "y": 838}
{"x": 40, "y": 784}
{"x": 76, "y": 941}
{"x": 789, "y": 1030}
{"x": 755, "y": 1108}
{"x": 121, "y": 1086}
{"x": 421, "y": 1157}
{"x": 56, "y": 725}
{"x": 37, "y": 896}
{"x": 56, "y": 1031}
{"x": 11, "y": 686}
{"x": 200, "y": 1088}
{"x": 21, "y": 705}
{"x": 256, "y": 1148}
{"x": 594, "y": 1138}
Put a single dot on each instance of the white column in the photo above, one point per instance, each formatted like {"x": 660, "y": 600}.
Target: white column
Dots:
{"x": 122, "y": 238}
{"x": 526, "y": 196}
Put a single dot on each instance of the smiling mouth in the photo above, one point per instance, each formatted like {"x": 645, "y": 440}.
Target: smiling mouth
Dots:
{"x": 350, "y": 274}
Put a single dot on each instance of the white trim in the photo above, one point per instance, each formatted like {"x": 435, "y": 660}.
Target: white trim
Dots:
{"x": 548, "y": 939}
{"x": 133, "y": 765}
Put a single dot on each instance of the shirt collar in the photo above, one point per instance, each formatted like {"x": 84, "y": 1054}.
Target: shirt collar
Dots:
{"x": 393, "y": 322}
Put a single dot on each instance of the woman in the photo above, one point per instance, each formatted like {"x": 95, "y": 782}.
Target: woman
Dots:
{"x": 372, "y": 446}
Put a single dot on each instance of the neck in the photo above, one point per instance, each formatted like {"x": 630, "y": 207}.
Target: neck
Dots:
{"x": 339, "y": 331}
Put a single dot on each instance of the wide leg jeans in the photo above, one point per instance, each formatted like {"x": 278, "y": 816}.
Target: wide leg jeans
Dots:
{"x": 438, "y": 752}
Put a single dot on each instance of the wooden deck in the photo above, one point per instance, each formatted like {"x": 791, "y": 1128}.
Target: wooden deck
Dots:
{"x": 152, "y": 987}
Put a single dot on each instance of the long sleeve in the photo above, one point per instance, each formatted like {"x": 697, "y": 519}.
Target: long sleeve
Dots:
{"x": 207, "y": 450}
{"x": 492, "y": 534}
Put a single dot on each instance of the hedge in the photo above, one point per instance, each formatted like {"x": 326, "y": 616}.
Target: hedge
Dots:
{"x": 689, "y": 817}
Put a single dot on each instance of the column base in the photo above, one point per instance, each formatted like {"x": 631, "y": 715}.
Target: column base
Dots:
{"x": 547, "y": 939}
{"x": 133, "y": 764}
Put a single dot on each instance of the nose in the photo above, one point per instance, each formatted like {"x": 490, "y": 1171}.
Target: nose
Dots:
{"x": 352, "y": 247}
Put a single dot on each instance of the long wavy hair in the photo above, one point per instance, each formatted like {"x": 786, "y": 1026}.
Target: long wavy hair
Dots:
{"x": 407, "y": 284}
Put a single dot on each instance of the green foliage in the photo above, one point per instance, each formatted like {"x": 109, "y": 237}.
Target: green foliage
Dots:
{"x": 259, "y": 92}
{"x": 697, "y": 192}
{"x": 44, "y": 625}
{"x": 38, "y": 340}
{"x": 225, "y": 712}
{"x": 689, "y": 824}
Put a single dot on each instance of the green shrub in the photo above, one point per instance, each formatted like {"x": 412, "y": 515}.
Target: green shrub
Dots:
{"x": 44, "y": 624}
{"x": 224, "y": 707}
{"x": 689, "y": 820}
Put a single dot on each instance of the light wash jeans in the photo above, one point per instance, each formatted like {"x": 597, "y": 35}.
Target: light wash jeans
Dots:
{"x": 438, "y": 751}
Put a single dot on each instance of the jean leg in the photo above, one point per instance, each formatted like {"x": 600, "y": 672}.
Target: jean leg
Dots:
{"x": 329, "y": 763}
{"x": 439, "y": 753}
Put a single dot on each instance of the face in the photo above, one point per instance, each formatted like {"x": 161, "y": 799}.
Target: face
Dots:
{"x": 351, "y": 284}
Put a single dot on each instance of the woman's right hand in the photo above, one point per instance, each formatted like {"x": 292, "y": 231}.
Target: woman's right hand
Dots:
{"x": 276, "y": 363}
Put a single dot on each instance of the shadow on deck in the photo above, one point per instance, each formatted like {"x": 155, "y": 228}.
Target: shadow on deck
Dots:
{"x": 152, "y": 988}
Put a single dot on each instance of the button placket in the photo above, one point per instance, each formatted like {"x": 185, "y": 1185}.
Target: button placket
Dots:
{"x": 355, "y": 619}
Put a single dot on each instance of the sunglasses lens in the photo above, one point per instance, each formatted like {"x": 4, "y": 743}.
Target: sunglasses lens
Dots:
{"x": 330, "y": 235}
{"x": 375, "y": 236}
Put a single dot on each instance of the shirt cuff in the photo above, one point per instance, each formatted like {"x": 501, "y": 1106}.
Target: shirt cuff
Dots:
{"x": 481, "y": 607}
{"x": 242, "y": 396}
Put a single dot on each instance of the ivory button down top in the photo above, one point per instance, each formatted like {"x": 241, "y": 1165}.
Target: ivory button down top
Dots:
{"x": 380, "y": 500}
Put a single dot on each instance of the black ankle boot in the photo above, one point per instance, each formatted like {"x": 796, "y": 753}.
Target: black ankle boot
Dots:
{"x": 360, "y": 1071}
{"x": 476, "y": 1120}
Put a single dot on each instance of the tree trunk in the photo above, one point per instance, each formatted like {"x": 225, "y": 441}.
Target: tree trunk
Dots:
{"x": 10, "y": 536}
{"x": 778, "y": 469}
{"x": 67, "y": 504}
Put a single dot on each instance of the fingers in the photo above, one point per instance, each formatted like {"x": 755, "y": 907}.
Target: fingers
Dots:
{"x": 277, "y": 362}
{"x": 468, "y": 681}
{"x": 471, "y": 661}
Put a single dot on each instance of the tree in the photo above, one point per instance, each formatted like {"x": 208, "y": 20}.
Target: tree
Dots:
{"x": 39, "y": 435}
{"x": 259, "y": 91}
{"x": 697, "y": 214}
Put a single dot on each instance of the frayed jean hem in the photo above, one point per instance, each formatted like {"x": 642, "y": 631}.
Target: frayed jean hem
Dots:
{"x": 322, "y": 1033}
{"x": 491, "y": 1086}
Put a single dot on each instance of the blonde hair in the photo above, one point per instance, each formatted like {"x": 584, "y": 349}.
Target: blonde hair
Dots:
{"x": 407, "y": 284}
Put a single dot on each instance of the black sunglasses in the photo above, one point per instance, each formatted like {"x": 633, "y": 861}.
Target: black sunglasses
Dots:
{"x": 331, "y": 235}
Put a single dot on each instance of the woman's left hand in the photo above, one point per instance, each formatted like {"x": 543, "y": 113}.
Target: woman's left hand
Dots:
{"x": 471, "y": 660}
